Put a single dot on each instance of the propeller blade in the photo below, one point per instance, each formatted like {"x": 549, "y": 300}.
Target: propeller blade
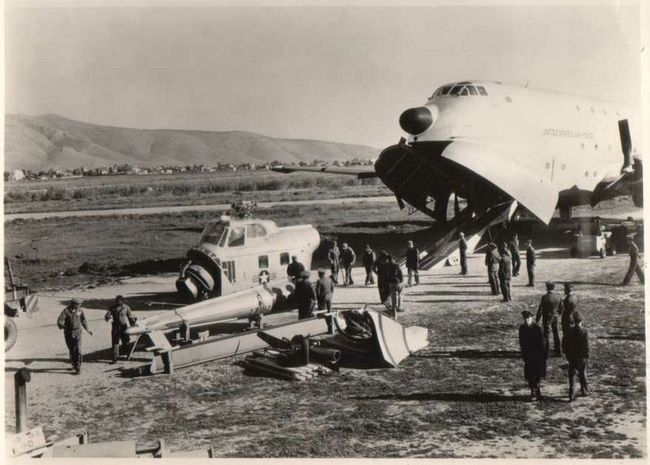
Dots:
{"x": 626, "y": 144}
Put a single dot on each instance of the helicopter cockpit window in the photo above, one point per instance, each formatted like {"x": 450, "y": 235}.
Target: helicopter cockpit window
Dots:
{"x": 214, "y": 234}
{"x": 236, "y": 237}
{"x": 255, "y": 230}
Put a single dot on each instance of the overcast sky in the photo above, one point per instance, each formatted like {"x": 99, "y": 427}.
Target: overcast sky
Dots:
{"x": 335, "y": 73}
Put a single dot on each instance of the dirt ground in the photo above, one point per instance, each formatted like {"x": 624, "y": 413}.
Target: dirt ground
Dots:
{"x": 462, "y": 396}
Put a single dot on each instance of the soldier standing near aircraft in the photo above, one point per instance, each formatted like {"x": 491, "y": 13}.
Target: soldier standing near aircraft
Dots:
{"x": 305, "y": 296}
{"x": 531, "y": 343}
{"x": 71, "y": 320}
{"x": 295, "y": 268}
{"x": 334, "y": 257}
{"x": 634, "y": 263}
{"x": 548, "y": 310}
{"x": 122, "y": 318}
{"x": 462, "y": 250}
{"x": 513, "y": 245}
{"x": 576, "y": 348}
{"x": 369, "y": 259}
{"x": 567, "y": 307}
{"x": 348, "y": 257}
{"x": 324, "y": 291}
{"x": 492, "y": 258}
{"x": 412, "y": 263}
{"x": 530, "y": 263}
{"x": 395, "y": 283}
{"x": 505, "y": 272}
{"x": 381, "y": 269}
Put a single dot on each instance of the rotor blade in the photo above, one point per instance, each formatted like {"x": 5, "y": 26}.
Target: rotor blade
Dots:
{"x": 626, "y": 144}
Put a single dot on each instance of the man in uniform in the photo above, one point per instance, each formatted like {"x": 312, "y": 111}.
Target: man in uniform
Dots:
{"x": 334, "y": 257}
{"x": 531, "y": 343}
{"x": 305, "y": 296}
{"x": 348, "y": 257}
{"x": 505, "y": 273}
{"x": 567, "y": 307}
{"x": 634, "y": 263}
{"x": 71, "y": 320}
{"x": 412, "y": 263}
{"x": 295, "y": 268}
{"x": 576, "y": 348}
{"x": 548, "y": 310}
{"x": 513, "y": 245}
{"x": 462, "y": 250}
{"x": 381, "y": 269}
{"x": 122, "y": 318}
{"x": 324, "y": 293}
{"x": 369, "y": 259}
{"x": 530, "y": 263}
{"x": 492, "y": 258}
{"x": 395, "y": 284}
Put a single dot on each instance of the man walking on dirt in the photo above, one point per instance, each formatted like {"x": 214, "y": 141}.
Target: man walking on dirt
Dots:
{"x": 324, "y": 294}
{"x": 369, "y": 258}
{"x": 576, "y": 348}
{"x": 348, "y": 257}
{"x": 567, "y": 307}
{"x": 548, "y": 311}
{"x": 334, "y": 257}
{"x": 634, "y": 263}
{"x": 505, "y": 273}
{"x": 381, "y": 270}
{"x": 492, "y": 263}
{"x": 305, "y": 296}
{"x": 395, "y": 284}
{"x": 71, "y": 320}
{"x": 513, "y": 245}
{"x": 462, "y": 251}
{"x": 120, "y": 314}
{"x": 531, "y": 343}
{"x": 412, "y": 263}
{"x": 530, "y": 263}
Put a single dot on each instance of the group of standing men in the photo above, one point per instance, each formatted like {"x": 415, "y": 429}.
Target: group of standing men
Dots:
{"x": 503, "y": 263}
{"x": 535, "y": 345}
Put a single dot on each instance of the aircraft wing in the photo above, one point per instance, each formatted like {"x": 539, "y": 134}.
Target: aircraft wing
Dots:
{"x": 359, "y": 172}
{"x": 510, "y": 173}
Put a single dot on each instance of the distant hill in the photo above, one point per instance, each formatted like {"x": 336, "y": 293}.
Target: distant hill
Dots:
{"x": 52, "y": 141}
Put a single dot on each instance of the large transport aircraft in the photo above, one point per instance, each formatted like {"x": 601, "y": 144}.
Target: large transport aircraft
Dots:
{"x": 492, "y": 143}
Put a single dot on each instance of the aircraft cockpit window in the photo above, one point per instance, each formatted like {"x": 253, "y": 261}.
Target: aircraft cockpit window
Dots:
{"x": 472, "y": 90}
{"x": 481, "y": 90}
{"x": 463, "y": 91}
{"x": 456, "y": 90}
{"x": 236, "y": 237}
{"x": 255, "y": 230}
{"x": 214, "y": 234}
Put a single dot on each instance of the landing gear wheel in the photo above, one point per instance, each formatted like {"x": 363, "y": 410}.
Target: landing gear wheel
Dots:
{"x": 11, "y": 333}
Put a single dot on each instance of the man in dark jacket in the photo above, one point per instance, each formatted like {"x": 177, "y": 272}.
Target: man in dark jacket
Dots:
{"x": 305, "y": 296}
{"x": 120, "y": 314}
{"x": 412, "y": 263}
{"x": 513, "y": 246}
{"x": 505, "y": 273}
{"x": 395, "y": 279}
{"x": 348, "y": 257}
{"x": 634, "y": 267}
{"x": 548, "y": 311}
{"x": 530, "y": 263}
{"x": 492, "y": 258}
{"x": 381, "y": 270}
{"x": 369, "y": 258}
{"x": 462, "y": 251}
{"x": 576, "y": 348}
{"x": 334, "y": 257}
{"x": 531, "y": 343}
{"x": 295, "y": 268}
{"x": 71, "y": 320}
{"x": 567, "y": 307}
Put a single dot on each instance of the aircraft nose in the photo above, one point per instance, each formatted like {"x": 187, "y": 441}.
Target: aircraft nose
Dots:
{"x": 416, "y": 120}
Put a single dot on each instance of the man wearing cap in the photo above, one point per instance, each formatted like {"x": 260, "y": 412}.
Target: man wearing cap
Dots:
{"x": 381, "y": 270}
{"x": 71, "y": 320}
{"x": 348, "y": 257}
{"x": 395, "y": 284}
{"x": 548, "y": 310}
{"x": 412, "y": 263}
{"x": 567, "y": 307}
{"x": 369, "y": 258}
{"x": 634, "y": 263}
{"x": 530, "y": 263}
{"x": 334, "y": 257}
{"x": 492, "y": 258}
{"x": 576, "y": 348}
{"x": 462, "y": 251}
{"x": 305, "y": 296}
{"x": 324, "y": 293}
{"x": 513, "y": 246}
{"x": 505, "y": 273}
{"x": 120, "y": 314}
{"x": 295, "y": 268}
{"x": 531, "y": 343}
